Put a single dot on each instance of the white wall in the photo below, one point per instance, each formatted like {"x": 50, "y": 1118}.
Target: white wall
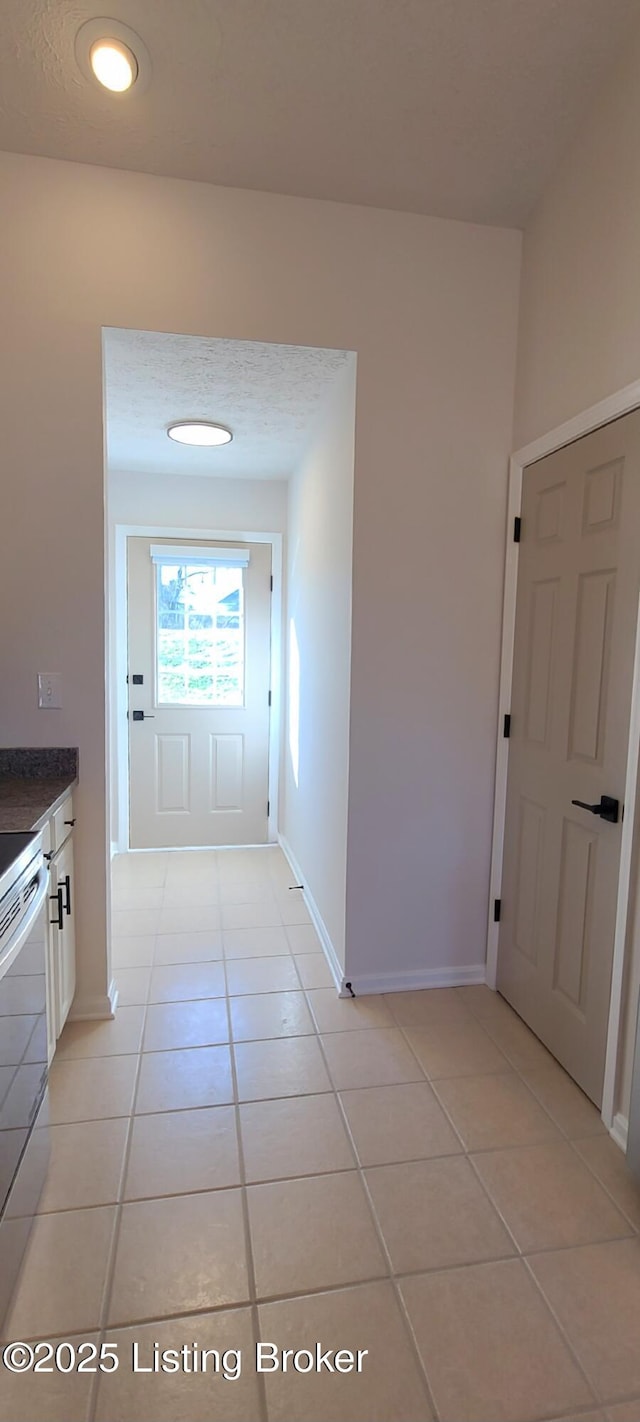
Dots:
{"x": 319, "y": 575}
{"x": 580, "y": 311}
{"x": 181, "y": 501}
{"x": 171, "y": 502}
{"x": 430, "y": 308}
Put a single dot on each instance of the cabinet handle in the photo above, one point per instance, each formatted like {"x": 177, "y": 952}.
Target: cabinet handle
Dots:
{"x": 70, "y": 822}
{"x": 67, "y": 886}
{"x": 57, "y": 898}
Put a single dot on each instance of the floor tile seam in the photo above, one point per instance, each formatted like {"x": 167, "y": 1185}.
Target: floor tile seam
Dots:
{"x": 408, "y": 1331}
{"x": 110, "y": 1265}
{"x": 235, "y": 1305}
{"x": 403, "y": 1033}
{"x": 564, "y": 1333}
{"x": 242, "y": 1100}
{"x": 542, "y": 1249}
{"x": 246, "y": 1223}
{"x": 634, "y": 1230}
{"x": 202, "y": 1106}
{"x": 599, "y": 1180}
{"x": 162, "y": 1319}
{"x": 256, "y": 957}
{"x": 111, "y": 1260}
{"x": 169, "y": 932}
{"x": 517, "y": 1072}
{"x": 494, "y": 1204}
{"x": 124, "y": 1199}
{"x": 433, "y": 1087}
{"x": 620, "y": 1401}
{"x": 520, "y": 1072}
{"x": 464, "y": 1075}
{"x": 174, "y": 1001}
{"x": 89, "y": 1120}
{"x": 457, "y": 1026}
{"x": 471, "y": 1150}
{"x": 342, "y": 1032}
{"x": 410, "y": 1159}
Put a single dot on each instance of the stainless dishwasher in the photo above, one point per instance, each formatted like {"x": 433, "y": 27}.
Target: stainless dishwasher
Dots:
{"x": 24, "y": 885}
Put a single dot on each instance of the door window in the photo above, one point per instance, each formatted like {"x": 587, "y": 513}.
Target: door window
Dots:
{"x": 200, "y": 642}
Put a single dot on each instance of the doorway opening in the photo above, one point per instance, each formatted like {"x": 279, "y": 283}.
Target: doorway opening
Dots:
{"x": 229, "y": 572}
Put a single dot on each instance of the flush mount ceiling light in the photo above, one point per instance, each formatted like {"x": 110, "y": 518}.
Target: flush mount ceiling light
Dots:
{"x": 112, "y": 55}
{"x": 199, "y": 432}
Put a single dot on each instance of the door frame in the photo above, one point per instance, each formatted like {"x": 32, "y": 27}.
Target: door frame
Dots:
{"x": 602, "y": 413}
{"x": 118, "y": 660}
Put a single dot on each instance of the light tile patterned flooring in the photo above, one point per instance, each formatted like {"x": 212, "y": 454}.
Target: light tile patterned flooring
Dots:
{"x": 242, "y": 1155}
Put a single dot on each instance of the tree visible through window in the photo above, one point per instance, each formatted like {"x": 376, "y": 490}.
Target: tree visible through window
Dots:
{"x": 199, "y": 635}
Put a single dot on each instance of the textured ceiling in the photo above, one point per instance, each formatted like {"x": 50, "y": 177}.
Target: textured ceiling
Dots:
{"x": 268, "y": 395}
{"x": 458, "y": 108}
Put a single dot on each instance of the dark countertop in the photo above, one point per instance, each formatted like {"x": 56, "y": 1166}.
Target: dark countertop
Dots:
{"x": 28, "y": 804}
{"x": 33, "y": 783}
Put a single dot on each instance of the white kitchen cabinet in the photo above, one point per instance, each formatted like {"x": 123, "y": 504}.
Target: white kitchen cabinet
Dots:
{"x": 52, "y": 1008}
{"x": 65, "y": 954}
{"x": 61, "y": 954}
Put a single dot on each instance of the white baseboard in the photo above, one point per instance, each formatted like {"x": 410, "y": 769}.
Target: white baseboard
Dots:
{"x": 95, "y": 1009}
{"x": 317, "y": 920}
{"x": 418, "y": 978}
{"x": 370, "y": 983}
{"x": 620, "y": 1131}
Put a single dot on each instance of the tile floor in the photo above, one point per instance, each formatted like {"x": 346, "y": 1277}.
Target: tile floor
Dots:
{"x": 242, "y": 1155}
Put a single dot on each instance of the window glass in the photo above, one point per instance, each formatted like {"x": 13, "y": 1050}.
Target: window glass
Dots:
{"x": 199, "y": 635}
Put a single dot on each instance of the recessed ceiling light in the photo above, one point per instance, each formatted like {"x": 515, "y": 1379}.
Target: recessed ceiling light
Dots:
{"x": 114, "y": 65}
{"x": 113, "y": 55}
{"x": 199, "y": 432}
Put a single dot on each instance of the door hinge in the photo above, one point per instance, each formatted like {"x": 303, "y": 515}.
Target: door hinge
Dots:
{"x": 268, "y": 807}
{"x": 517, "y": 528}
{"x": 497, "y": 907}
{"x": 269, "y": 698}
{"x": 271, "y": 582}
{"x": 506, "y": 731}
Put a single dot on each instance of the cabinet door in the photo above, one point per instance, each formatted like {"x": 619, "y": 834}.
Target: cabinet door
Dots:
{"x": 53, "y": 1027}
{"x": 66, "y": 938}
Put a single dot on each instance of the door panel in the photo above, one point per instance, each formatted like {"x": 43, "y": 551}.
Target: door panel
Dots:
{"x": 591, "y": 665}
{"x": 227, "y": 772}
{"x": 577, "y": 604}
{"x": 530, "y": 851}
{"x": 577, "y": 879}
{"x": 173, "y": 777}
{"x": 541, "y": 642}
{"x": 199, "y": 648}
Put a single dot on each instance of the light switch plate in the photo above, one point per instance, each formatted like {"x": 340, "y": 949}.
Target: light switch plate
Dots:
{"x": 49, "y": 691}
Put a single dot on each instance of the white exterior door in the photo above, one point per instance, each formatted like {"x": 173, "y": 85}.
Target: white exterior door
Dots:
{"x": 199, "y": 620}
{"x": 577, "y": 603}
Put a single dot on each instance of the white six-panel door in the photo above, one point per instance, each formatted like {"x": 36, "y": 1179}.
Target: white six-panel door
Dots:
{"x": 199, "y": 672}
{"x": 577, "y": 602}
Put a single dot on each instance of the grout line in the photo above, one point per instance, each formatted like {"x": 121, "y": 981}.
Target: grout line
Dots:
{"x": 570, "y": 1140}
{"x": 391, "y": 1276}
{"x": 248, "y": 1242}
{"x": 115, "y": 1238}
{"x": 564, "y": 1334}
